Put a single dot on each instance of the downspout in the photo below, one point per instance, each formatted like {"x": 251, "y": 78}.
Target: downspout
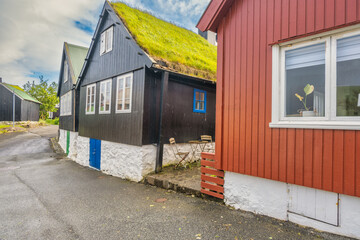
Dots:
{"x": 163, "y": 99}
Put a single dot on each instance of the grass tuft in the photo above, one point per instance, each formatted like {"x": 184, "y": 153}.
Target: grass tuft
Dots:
{"x": 52, "y": 121}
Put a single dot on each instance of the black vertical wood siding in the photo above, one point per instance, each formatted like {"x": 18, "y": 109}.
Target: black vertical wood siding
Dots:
{"x": 179, "y": 120}
{"x": 68, "y": 85}
{"x": 24, "y": 110}
{"x": 115, "y": 127}
{"x": 6, "y": 105}
{"x": 123, "y": 58}
{"x": 151, "y": 114}
{"x": 29, "y": 111}
{"x": 67, "y": 122}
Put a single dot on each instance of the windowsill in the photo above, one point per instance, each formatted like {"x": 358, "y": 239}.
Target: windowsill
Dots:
{"x": 338, "y": 125}
{"x": 123, "y": 111}
{"x": 89, "y": 113}
{"x": 105, "y": 53}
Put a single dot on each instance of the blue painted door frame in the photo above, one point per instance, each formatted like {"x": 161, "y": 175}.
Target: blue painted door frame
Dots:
{"x": 95, "y": 153}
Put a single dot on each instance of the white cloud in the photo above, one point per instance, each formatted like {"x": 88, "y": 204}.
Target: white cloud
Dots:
{"x": 33, "y": 32}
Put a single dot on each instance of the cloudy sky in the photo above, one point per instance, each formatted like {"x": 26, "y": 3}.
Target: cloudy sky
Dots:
{"x": 32, "y": 32}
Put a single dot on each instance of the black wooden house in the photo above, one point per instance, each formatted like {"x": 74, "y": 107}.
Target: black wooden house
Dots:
{"x": 26, "y": 107}
{"x": 71, "y": 63}
{"x": 130, "y": 96}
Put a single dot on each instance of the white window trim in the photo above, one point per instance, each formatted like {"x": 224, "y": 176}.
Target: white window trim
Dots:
{"x": 66, "y": 104}
{"x": 104, "y": 83}
{"x": 86, "y": 102}
{"x": 104, "y": 48}
{"x": 330, "y": 120}
{"x": 117, "y": 92}
{"x": 66, "y": 71}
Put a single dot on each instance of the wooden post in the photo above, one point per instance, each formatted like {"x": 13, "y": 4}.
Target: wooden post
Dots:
{"x": 163, "y": 99}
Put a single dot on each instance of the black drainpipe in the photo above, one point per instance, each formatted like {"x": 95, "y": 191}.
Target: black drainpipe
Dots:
{"x": 163, "y": 99}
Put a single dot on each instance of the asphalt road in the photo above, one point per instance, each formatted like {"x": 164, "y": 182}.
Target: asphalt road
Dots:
{"x": 46, "y": 196}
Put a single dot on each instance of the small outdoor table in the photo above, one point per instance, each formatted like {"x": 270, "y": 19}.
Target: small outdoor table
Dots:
{"x": 194, "y": 144}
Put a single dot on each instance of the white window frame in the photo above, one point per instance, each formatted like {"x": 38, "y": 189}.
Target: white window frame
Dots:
{"x": 65, "y": 104}
{"x": 123, "y": 98}
{"x": 106, "y": 40}
{"x": 86, "y": 102}
{"x": 330, "y": 120}
{"x": 104, "y": 83}
{"x": 66, "y": 71}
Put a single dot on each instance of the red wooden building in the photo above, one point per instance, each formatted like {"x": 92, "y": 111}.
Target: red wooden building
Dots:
{"x": 274, "y": 55}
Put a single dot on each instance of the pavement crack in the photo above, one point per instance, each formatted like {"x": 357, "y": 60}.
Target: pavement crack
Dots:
{"x": 68, "y": 226}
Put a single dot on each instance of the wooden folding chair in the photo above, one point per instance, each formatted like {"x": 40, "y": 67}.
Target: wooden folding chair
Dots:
{"x": 181, "y": 156}
{"x": 207, "y": 139}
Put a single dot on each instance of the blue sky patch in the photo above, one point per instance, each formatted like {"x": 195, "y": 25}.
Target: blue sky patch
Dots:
{"x": 84, "y": 25}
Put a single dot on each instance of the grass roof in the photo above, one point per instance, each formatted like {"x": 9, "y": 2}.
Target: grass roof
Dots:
{"x": 172, "y": 47}
{"x": 20, "y": 92}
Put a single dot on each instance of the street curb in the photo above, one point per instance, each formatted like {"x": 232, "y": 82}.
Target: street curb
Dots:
{"x": 56, "y": 146}
{"x": 154, "y": 181}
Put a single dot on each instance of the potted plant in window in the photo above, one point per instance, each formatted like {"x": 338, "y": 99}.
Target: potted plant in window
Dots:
{"x": 309, "y": 89}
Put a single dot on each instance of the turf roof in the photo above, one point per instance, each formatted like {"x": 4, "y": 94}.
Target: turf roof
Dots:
{"x": 77, "y": 55}
{"x": 172, "y": 47}
{"x": 21, "y": 93}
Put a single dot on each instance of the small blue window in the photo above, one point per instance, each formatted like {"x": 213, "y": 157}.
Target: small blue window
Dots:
{"x": 199, "y": 101}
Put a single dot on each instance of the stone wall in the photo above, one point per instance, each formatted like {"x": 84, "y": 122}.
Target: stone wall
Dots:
{"x": 274, "y": 199}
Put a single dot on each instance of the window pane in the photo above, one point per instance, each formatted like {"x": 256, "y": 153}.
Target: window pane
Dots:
{"x": 120, "y": 104}
{"x": 197, "y": 97}
{"x": 197, "y": 105}
{"x": 305, "y": 81}
{"x": 202, "y": 104}
{"x": 202, "y": 96}
{"x": 121, "y": 83}
{"x": 348, "y": 77}
{"x": 127, "y": 104}
{"x": 128, "y": 82}
{"x": 127, "y": 93}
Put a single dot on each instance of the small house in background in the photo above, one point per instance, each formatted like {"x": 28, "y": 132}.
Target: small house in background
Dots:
{"x": 288, "y": 112}
{"x": 26, "y": 107}
{"x": 144, "y": 81}
{"x": 210, "y": 36}
{"x": 72, "y": 60}
{"x": 56, "y": 114}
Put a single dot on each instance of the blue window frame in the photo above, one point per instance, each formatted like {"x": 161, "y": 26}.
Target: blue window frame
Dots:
{"x": 199, "y": 101}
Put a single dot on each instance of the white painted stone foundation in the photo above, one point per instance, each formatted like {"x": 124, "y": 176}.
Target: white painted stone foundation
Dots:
{"x": 127, "y": 161}
{"x": 82, "y": 151}
{"x": 273, "y": 198}
{"x": 120, "y": 160}
{"x": 62, "y": 139}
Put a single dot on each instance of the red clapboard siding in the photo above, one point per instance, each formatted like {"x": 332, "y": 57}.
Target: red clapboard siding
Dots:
{"x": 322, "y": 159}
